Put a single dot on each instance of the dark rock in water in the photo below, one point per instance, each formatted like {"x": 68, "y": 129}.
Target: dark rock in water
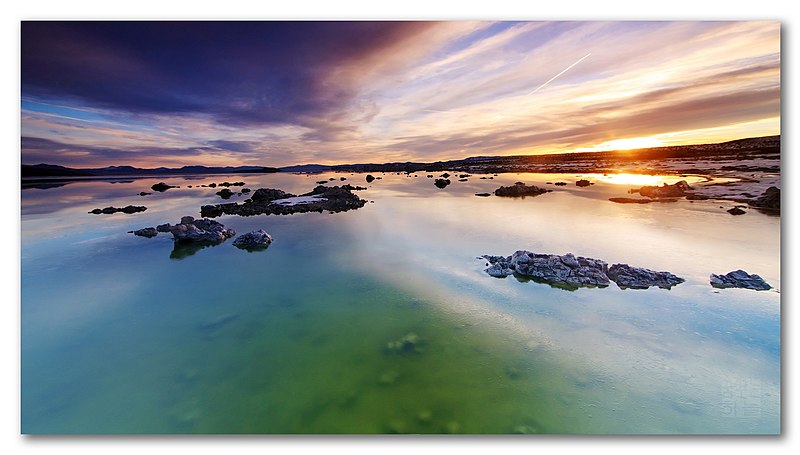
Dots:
{"x": 445, "y": 175}
{"x": 342, "y": 178}
{"x": 696, "y": 197}
{"x": 441, "y": 183}
{"x": 225, "y": 193}
{"x": 739, "y": 279}
{"x": 253, "y": 241}
{"x": 200, "y": 231}
{"x": 161, "y": 187}
{"x": 769, "y": 200}
{"x": 268, "y": 201}
{"x": 565, "y": 271}
{"x": 212, "y": 185}
{"x": 483, "y": 194}
{"x": 736, "y": 211}
{"x": 678, "y": 189}
{"x": 519, "y": 189}
{"x": 583, "y": 182}
{"x": 321, "y": 182}
{"x": 350, "y": 187}
{"x": 144, "y": 193}
{"x": 370, "y": 178}
{"x": 331, "y": 179}
{"x": 245, "y": 190}
{"x": 463, "y": 176}
{"x": 146, "y": 232}
{"x": 127, "y": 209}
{"x": 638, "y": 278}
{"x": 163, "y": 227}
{"x": 463, "y": 180}
{"x": 560, "y": 184}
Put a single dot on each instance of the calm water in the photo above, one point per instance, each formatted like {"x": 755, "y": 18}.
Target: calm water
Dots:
{"x": 123, "y": 334}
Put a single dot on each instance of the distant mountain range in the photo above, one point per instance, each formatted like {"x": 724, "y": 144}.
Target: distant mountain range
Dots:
{"x": 749, "y": 146}
{"x": 52, "y": 170}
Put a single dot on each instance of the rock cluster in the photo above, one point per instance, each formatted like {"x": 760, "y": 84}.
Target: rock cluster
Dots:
{"x": 263, "y": 202}
{"x": 202, "y": 231}
{"x": 739, "y": 279}
{"x": 441, "y": 183}
{"x": 519, "y": 189}
{"x": 571, "y": 272}
{"x": 582, "y": 183}
{"x": 127, "y": 209}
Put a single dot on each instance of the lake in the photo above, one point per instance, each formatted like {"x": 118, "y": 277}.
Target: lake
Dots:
{"x": 125, "y": 334}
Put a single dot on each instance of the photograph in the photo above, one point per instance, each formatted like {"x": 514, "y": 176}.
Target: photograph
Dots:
{"x": 381, "y": 227}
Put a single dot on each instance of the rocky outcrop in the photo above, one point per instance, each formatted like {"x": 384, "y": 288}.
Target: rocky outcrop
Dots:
{"x": 200, "y": 231}
{"x": 483, "y": 194}
{"x": 678, "y": 189}
{"x": 370, "y": 178}
{"x": 225, "y": 193}
{"x": 127, "y": 209}
{"x": 161, "y": 187}
{"x": 253, "y": 241}
{"x": 582, "y": 183}
{"x": 736, "y": 211}
{"x": 769, "y": 200}
{"x": 571, "y": 272}
{"x": 638, "y": 278}
{"x": 739, "y": 279}
{"x": 519, "y": 189}
{"x": 269, "y": 201}
{"x": 566, "y": 271}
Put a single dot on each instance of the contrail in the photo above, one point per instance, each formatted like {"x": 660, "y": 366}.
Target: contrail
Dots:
{"x": 559, "y": 74}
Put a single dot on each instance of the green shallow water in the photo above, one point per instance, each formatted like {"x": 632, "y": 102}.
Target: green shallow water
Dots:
{"x": 122, "y": 335}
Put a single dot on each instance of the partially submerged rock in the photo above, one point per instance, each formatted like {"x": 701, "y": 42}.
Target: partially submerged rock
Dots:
{"x": 739, "y": 279}
{"x": 519, "y": 189}
{"x": 571, "y": 272}
{"x": 441, "y": 183}
{"x": 146, "y": 232}
{"x": 769, "y": 200}
{"x": 200, "y": 231}
{"x": 370, "y": 178}
{"x": 127, "y": 209}
{"x": 483, "y": 194}
{"x": 161, "y": 187}
{"x": 582, "y": 183}
{"x": 639, "y": 278}
{"x": 225, "y": 193}
{"x": 736, "y": 211}
{"x": 253, "y": 241}
{"x": 638, "y": 200}
{"x": 565, "y": 271}
{"x": 269, "y": 201}
{"x": 678, "y": 189}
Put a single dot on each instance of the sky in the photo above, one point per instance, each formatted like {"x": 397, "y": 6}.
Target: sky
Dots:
{"x": 154, "y": 94}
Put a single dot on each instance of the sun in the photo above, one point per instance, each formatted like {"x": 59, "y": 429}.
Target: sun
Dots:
{"x": 629, "y": 144}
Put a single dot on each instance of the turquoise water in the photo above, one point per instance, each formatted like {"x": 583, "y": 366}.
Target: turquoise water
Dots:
{"x": 122, "y": 334}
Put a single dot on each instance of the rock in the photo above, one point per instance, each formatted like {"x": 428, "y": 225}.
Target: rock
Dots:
{"x": 225, "y": 193}
{"x": 127, "y": 209}
{"x": 519, "y": 189}
{"x": 370, "y": 178}
{"x": 739, "y": 279}
{"x": 321, "y": 182}
{"x": 252, "y": 241}
{"x": 161, "y": 187}
{"x": 445, "y": 175}
{"x": 565, "y": 271}
{"x": 696, "y": 197}
{"x": 483, "y": 194}
{"x": 146, "y": 232}
{"x": 678, "y": 189}
{"x": 560, "y": 184}
{"x": 407, "y": 344}
{"x": 212, "y": 185}
{"x": 463, "y": 180}
{"x": 736, "y": 211}
{"x": 342, "y": 178}
{"x": 639, "y": 278}
{"x": 441, "y": 183}
{"x": 245, "y": 190}
{"x": 268, "y": 201}
{"x": 769, "y": 200}
{"x": 583, "y": 182}
{"x": 163, "y": 227}
{"x": 200, "y": 231}
{"x": 144, "y": 193}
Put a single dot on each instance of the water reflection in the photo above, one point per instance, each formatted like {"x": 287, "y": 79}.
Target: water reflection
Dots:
{"x": 294, "y": 340}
